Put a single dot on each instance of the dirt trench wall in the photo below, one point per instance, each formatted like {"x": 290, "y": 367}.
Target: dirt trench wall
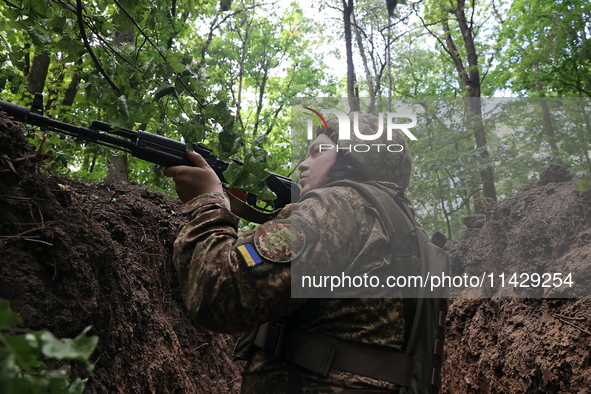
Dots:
{"x": 523, "y": 345}
{"x": 75, "y": 254}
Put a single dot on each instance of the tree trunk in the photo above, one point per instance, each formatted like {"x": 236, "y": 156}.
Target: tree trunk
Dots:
{"x": 118, "y": 171}
{"x": 470, "y": 79}
{"x": 53, "y": 91}
{"x": 477, "y": 126}
{"x": 86, "y": 162}
{"x": 547, "y": 118}
{"x": 586, "y": 119}
{"x": 440, "y": 192}
{"x": 260, "y": 102}
{"x": 368, "y": 74}
{"x": 466, "y": 201}
{"x": 550, "y": 132}
{"x": 27, "y": 68}
{"x": 389, "y": 66}
{"x": 91, "y": 169}
{"x": 588, "y": 129}
{"x": 353, "y": 99}
{"x": 72, "y": 90}
{"x": 38, "y": 72}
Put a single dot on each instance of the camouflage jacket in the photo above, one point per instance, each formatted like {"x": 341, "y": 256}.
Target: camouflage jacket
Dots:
{"x": 223, "y": 293}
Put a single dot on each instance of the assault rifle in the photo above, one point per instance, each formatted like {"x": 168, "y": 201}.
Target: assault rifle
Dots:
{"x": 149, "y": 147}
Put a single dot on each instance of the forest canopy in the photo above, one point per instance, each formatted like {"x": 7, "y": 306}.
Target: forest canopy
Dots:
{"x": 225, "y": 74}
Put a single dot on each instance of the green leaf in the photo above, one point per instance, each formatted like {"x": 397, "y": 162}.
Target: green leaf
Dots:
{"x": 267, "y": 194}
{"x": 164, "y": 70}
{"x": 164, "y": 90}
{"x": 122, "y": 21}
{"x": 59, "y": 379}
{"x": 584, "y": 184}
{"x": 193, "y": 130}
{"x": 228, "y": 142}
{"x": 58, "y": 24}
{"x": 260, "y": 140}
{"x": 8, "y": 318}
{"x": 123, "y": 112}
{"x": 105, "y": 27}
{"x": 26, "y": 350}
{"x": 259, "y": 154}
{"x": 17, "y": 58}
{"x": 231, "y": 174}
{"x": 77, "y": 387}
{"x": 147, "y": 68}
{"x": 225, "y": 5}
{"x": 247, "y": 181}
{"x": 79, "y": 348}
{"x": 67, "y": 45}
{"x": 40, "y": 6}
{"x": 175, "y": 61}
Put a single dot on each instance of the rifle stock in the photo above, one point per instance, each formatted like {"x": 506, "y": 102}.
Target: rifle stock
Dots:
{"x": 146, "y": 146}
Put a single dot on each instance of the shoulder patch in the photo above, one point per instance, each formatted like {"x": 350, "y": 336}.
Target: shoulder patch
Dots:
{"x": 279, "y": 241}
{"x": 250, "y": 256}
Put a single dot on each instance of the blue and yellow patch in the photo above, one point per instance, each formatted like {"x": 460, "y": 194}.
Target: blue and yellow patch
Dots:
{"x": 249, "y": 254}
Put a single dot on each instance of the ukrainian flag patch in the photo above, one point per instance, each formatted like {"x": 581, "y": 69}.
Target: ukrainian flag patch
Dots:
{"x": 249, "y": 254}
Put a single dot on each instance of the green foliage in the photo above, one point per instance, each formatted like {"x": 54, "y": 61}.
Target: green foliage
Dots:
{"x": 228, "y": 79}
{"x": 391, "y": 4}
{"x": 263, "y": 57}
{"x": 544, "y": 48}
{"x": 584, "y": 185}
{"x": 189, "y": 73}
{"x": 22, "y": 371}
{"x": 225, "y": 5}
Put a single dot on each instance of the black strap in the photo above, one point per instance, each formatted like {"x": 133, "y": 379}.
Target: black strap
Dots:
{"x": 321, "y": 353}
{"x": 294, "y": 379}
{"x": 245, "y": 211}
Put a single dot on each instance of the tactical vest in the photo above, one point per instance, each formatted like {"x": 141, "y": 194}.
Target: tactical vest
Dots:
{"x": 418, "y": 369}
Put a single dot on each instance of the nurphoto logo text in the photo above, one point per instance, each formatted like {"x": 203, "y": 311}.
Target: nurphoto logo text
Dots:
{"x": 345, "y": 130}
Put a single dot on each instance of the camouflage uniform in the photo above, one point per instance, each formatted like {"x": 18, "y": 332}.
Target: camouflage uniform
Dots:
{"x": 223, "y": 293}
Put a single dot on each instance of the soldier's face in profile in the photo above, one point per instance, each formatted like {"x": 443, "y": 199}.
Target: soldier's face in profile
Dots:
{"x": 316, "y": 168}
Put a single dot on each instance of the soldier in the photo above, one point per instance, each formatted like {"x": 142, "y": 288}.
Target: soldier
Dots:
{"x": 235, "y": 282}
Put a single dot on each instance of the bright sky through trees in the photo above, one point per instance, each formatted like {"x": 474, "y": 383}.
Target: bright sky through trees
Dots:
{"x": 188, "y": 71}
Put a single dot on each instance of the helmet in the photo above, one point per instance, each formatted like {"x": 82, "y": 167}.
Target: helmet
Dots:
{"x": 378, "y": 163}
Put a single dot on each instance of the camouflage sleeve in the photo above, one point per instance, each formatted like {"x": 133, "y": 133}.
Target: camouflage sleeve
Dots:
{"x": 221, "y": 291}
{"x": 336, "y": 226}
{"x": 228, "y": 289}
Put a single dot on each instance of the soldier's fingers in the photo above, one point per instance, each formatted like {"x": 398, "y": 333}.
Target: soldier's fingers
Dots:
{"x": 170, "y": 171}
{"x": 197, "y": 159}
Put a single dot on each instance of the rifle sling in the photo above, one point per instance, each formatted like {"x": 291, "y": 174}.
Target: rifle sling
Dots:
{"x": 321, "y": 353}
{"x": 245, "y": 211}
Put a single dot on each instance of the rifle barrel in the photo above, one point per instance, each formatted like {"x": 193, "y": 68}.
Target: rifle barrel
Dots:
{"x": 145, "y": 146}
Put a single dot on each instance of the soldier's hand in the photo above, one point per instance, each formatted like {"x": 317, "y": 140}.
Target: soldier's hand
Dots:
{"x": 192, "y": 182}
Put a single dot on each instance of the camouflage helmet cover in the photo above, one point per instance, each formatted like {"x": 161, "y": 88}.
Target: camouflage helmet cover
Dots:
{"x": 374, "y": 165}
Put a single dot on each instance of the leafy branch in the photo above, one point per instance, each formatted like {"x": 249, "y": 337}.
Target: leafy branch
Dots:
{"x": 20, "y": 369}
{"x": 89, "y": 48}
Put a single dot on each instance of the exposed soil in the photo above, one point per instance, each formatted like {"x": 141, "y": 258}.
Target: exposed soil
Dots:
{"x": 75, "y": 254}
{"x": 524, "y": 345}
